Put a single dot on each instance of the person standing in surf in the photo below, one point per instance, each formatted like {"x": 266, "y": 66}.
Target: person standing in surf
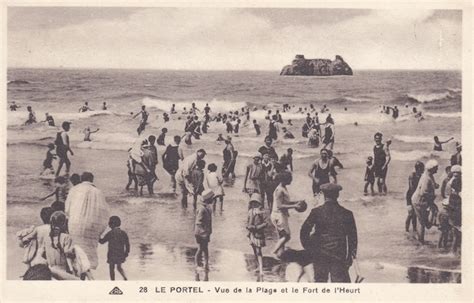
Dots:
{"x": 381, "y": 161}
{"x": 171, "y": 157}
{"x": 438, "y": 145}
{"x": 229, "y": 155}
{"x": 143, "y": 120}
{"x": 31, "y": 116}
{"x": 49, "y": 119}
{"x": 413, "y": 180}
{"x": 253, "y": 176}
{"x": 320, "y": 172}
{"x": 62, "y": 147}
{"x": 329, "y": 133}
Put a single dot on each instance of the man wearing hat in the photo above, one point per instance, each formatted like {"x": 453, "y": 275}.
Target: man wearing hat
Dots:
{"x": 62, "y": 147}
{"x": 203, "y": 227}
{"x": 456, "y": 159}
{"x": 329, "y": 234}
{"x": 184, "y": 175}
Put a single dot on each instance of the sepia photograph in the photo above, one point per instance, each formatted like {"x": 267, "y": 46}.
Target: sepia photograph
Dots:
{"x": 239, "y": 144}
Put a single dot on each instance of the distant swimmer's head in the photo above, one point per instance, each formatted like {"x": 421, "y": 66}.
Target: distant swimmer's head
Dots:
{"x": 436, "y": 139}
{"x": 28, "y": 108}
{"x": 177, "y": 139}
{"x": 201, "y": 153}
{"x": 66, "y": 125}
{"x": 87, "y": 177}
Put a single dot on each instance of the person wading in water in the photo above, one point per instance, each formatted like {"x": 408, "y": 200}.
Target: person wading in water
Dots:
{"x": 381, "y": 161}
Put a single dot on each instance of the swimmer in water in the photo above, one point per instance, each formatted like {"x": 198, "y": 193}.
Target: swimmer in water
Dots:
{"x": 49, "y": 119}
{"x": 438, "y": 145}
{"x": 143, "y": 120}
{"x": 85, "y": 107}
{"x": 87, "y": 133}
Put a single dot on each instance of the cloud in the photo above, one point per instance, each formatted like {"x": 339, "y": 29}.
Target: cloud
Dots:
{"x": 205, "y": 38}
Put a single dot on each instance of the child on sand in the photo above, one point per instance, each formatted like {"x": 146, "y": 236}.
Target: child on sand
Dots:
{"x": 61, "y": 190}
{"x": 369, "y": 177}
{"x": 256, "y": 224}
{"x": 214, "y": 182}
{"x": 203, "y": 227}
{"x": 119, "y": 246}
{"x": 48, "y": 162}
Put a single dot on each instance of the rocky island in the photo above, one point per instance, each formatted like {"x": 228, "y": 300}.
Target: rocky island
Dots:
{"x": 316, "y": 67}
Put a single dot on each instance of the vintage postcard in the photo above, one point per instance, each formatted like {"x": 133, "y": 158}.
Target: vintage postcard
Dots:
{"x": 266, "y": 151}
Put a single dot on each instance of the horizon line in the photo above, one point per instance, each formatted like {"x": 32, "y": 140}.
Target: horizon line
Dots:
{"x": 217, "y": 70}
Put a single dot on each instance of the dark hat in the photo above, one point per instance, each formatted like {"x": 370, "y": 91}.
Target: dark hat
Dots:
{"x": 330, "y": 188}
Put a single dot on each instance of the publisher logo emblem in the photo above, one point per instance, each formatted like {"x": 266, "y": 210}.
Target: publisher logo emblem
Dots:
{"x": 116, "y": 291}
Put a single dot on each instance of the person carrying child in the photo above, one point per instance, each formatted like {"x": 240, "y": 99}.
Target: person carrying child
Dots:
{"x": 119, "y": 246}
{"x": 203, "y": 227}
{"x": 369, "y": 176}
{"x": 256, "y": 224}
{"x": 214, "y": 182}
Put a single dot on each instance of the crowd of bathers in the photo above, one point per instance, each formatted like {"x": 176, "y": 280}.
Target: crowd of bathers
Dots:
{"x": 265, "y": 183}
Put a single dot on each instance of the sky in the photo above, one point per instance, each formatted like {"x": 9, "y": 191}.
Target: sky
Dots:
{"x": 231, "y": 38}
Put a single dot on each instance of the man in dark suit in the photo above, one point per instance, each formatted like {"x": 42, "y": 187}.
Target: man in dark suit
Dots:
{"x": 333, "y": 244}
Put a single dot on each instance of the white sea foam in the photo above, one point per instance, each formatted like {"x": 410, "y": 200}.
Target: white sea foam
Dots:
{"x": 424, "y": 98}
{"x": 414, "y": 139}
{"x": 414, "y": 155}
{"x": 444, "y": 115}
{"x": 222, "y": 106}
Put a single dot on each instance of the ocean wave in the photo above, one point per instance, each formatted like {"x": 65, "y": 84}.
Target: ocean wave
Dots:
{"x": 414, "y": 139}
{"x": 432, "y": 97}
{"x": 414, "y": 155}
{"x": 19, "y": 81}
{"x": 19, "y": 117}
{"x": 444, "y": 115}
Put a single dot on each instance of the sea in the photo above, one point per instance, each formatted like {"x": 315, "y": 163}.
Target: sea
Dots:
{"x": 160, "y": 232}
